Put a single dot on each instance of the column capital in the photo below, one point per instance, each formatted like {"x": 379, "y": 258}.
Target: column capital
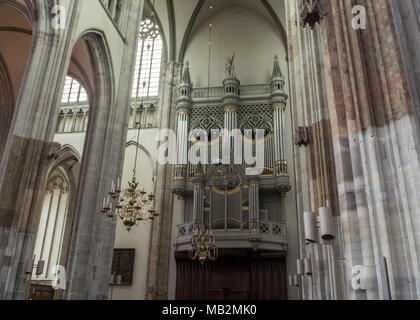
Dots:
{"x": 231, "y": 108}
{"x": 278, "y": 100}
{"x": 277, "y": 106}
{"x": 254, "y": 181}
{"x": 182, "y": 109}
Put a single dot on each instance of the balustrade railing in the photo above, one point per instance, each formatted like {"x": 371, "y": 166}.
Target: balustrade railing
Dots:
{"x": 268, "y": 230}
{"x": 74, "y": 117}
{"x": 145, "y": 114}
{"x": 218, "y": 92}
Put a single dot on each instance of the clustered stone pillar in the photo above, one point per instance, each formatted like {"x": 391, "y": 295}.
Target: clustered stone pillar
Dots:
{"x": 91, "y": 248}
{"x": 23, "y": 167}
{"x": 350, "y": 87}
{"x": 161, "y": 230}
{"x": 314, "y": 159}
{"x": 278, "y": 101}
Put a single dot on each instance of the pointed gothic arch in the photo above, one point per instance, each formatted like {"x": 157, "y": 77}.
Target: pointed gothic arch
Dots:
{"x": 94, "y": 173}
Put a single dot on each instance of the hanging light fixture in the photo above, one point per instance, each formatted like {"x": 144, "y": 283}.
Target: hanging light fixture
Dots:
{"x": 203, "y": 245}
{"x": 131, "y": 205}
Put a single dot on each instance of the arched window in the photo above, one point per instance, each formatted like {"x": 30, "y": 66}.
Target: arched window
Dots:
{"x": 74, "y": 112}
{"x": 148, "y": 61}
{"x": 73, "y": 92}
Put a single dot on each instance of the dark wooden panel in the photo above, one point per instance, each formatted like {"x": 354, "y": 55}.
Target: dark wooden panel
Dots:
{"x": 123, "y": 264}
{"x": 235, "y": 275}
{"x": 41, "y": 292}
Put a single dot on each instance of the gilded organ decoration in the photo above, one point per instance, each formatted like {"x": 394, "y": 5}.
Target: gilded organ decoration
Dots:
{"x": 230, "y": 67}
{"x": 226, "y": 177}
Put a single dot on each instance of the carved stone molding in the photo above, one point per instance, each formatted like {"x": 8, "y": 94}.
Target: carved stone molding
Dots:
{"x": 302, "y": 137}
{"x": 311, "y": 12}
{"x": 53, "y": 150}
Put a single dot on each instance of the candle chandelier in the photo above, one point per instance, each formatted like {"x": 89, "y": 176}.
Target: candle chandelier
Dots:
{"x": 203, "y": 246}
{"x": 131, "y": 205}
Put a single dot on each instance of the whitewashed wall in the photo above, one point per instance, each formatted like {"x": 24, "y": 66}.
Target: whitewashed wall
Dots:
{"x": 237, "y": 30}
{"x": 139, "y": 237}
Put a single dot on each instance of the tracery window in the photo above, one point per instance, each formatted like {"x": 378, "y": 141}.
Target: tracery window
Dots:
{"x": 148, "y": 61}
{"x": 73, "y": 92}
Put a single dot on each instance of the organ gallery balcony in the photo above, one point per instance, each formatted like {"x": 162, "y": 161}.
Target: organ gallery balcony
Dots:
{"x": 262, "y": 235}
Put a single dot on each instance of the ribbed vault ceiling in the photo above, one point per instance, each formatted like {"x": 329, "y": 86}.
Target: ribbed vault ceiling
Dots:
{"x": 180, "y": 18}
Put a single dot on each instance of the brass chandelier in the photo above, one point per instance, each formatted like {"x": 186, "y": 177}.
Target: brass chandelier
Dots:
{"x": 131, "y": 205}
{"x": 203, "y": 246}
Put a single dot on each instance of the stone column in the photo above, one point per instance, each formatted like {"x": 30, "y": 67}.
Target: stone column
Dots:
{"x": 254, "y": 205}
{"x": 91, "y": 249}
{"x": 406, "y": 18}
{"x": 112, "y": 7}
{"x": 7, "y": 103}
{"x": 198, "y": 202}
{"x": 23, "y": 166}
{"x": 353, "y": 84}
{"x": 161, "y": 230}
{"x": 314, "y": 161}
{"x": 373, "y": 123}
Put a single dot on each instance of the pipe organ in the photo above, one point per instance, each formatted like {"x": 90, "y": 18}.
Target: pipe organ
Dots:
{"x": 244, "y": 212}
{"x": 221, "y": 196}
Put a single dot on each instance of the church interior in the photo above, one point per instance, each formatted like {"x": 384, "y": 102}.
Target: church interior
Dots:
{"x": 209, "y": 150}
